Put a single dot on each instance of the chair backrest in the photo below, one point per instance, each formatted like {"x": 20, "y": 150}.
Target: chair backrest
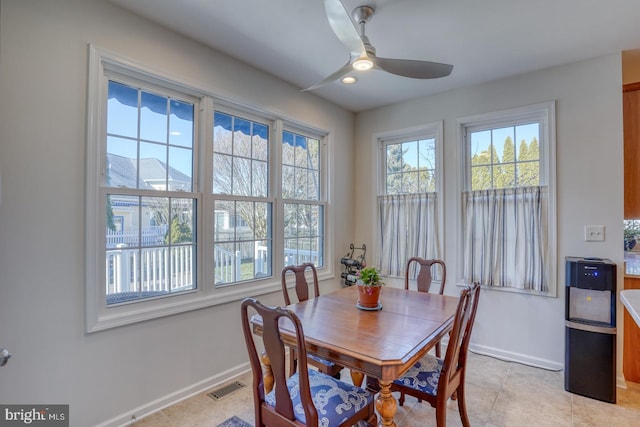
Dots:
{"x": 455, "y": 360}
{"x": 301, "y": 284}
{"x": 283, "y": 412}
{"x": 425, "y": 275}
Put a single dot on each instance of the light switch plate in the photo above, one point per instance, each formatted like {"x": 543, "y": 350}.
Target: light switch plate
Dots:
{"x": 594, "y": 233}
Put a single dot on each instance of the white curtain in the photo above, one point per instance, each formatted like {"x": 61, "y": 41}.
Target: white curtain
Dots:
{"x": 505, "y": 235}
{"x": 408, "y": 228}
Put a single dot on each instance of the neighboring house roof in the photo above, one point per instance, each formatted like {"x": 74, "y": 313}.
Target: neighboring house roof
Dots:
{"x": 122, "y": 173}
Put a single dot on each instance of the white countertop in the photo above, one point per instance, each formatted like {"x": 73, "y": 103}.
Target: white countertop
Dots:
{"x": 631, "y": 299}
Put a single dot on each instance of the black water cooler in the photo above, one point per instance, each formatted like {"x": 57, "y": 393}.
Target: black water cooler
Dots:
{"x": 590, "y": 328}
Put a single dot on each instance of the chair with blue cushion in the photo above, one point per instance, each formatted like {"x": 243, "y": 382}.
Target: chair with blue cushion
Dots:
{"x": 436, "y": 380}
{"x": 302, "y": 293}
{"x": 308, "y": 397}
{"x": 424, "y": 279}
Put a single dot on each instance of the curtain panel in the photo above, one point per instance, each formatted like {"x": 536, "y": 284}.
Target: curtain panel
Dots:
{"x": 505, "y": 234}
{"x": 408, "y": 228}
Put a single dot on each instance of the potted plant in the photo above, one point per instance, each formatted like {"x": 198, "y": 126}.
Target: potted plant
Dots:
{"x": 369, "y": 285}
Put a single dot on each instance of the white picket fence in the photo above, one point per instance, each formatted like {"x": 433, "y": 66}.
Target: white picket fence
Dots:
{"x": 165, "y": 270}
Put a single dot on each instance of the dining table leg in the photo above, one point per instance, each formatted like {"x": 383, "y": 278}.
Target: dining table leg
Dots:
{"x": 386, "y": 404}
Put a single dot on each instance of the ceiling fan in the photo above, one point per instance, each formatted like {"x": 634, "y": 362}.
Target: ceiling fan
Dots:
{"x": 363, "y": 54}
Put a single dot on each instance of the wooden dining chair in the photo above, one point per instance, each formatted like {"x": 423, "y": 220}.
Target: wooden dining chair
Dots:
{"x": 424, "y": 279}
{"x": 307, "y": 398}
{"x": 436, "y": 380}
{"x": 302, "y": 293}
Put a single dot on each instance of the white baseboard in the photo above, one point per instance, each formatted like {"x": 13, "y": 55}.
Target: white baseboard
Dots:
{"x": 149, "y": 408}
{"x": 525, "y": 359}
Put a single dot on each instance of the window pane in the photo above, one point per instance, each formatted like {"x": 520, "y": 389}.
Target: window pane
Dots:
{"x": 122, "y": 110}
{"x": 503, "y": 144}
{"x": 224, "y": 263}
{"x": 222, "y": 173}
{"x": 238, "y": 174}
{"x": 410, "y": 182}
{"x": 262, "y": 221}
{"x": 288, "y": 182}
{"x": 290, "y": 220}
{"x": 241, "y": 137}
{"x": 427, "y": 182}
{"x": 427, "y": 153}
{"x": 148, "y": 165}
{"x": 303, "y": 233}
{"x": 182, "y": 225}
{"x": 224, "y": 217}
{"x": 505, "y": 176}
{"x": 314, "y": 153}
{"x": 394, "y": 158}
{"x": 301, "y": 184}
{"x": 528, "y": 174}
{"x": 180, "y": 169}
{"x": 122, "y": 221}
{"x": 525, "y": 137}
{"x": 481, "y": 148}
{"x": 410, "y": 155}
{"x": 301, "y": 154}
{"x": 260, "y": 142}
{"x": 153, "y": 117}
{"x": 241, "y": 176}
{"x": 410, "y": 166}
{"x": 148, "y": 256}
{"x": 153, "y": 174}
{"x": 181, "y": 124}
{"x": 481, "y": 178}
{"x": 313, "y": 185}
{"x": 259, "y": 172}
{"x": 121, "y": 162}
{"x": 300, "y": 170}
{"x": 242, "y": 240}
{"x": 154, "y": 220}
{"x": 244, "y": 221}
{"x": 222, "y": 135}
{"x": 394, "y": 183}
{"x": 506, "y": 157}
{"x": 287, "y": 149}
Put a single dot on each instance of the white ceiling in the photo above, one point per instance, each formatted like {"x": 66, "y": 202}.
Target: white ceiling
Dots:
{"x": 485, "y": 40}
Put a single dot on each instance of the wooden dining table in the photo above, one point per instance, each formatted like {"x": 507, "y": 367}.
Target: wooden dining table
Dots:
{"x": 382, "y": 344}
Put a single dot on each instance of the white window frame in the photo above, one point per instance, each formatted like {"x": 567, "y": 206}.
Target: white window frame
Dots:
{"x": 544, "y": 113}
{"x": 425, "y": 131}
{"x": 100, "y": 317}
{"x": 323, "y": 184}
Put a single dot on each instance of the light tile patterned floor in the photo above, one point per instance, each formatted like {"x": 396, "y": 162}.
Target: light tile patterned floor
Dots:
{"x": 499, "y": 394}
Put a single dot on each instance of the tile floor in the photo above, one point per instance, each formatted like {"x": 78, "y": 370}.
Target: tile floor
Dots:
{"x": 498, "y": 394}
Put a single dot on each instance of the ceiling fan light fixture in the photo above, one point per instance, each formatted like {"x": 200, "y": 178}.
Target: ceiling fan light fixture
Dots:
{"x": 349, "y": 80}
{"x": 363, "y": 63}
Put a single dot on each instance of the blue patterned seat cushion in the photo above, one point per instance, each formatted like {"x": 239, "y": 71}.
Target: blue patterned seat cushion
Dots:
{"x": 334, "y": 400}
{"x": 423, "y": 376}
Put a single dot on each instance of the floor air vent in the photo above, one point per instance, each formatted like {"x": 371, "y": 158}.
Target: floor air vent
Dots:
{"x": 225, "y": 390}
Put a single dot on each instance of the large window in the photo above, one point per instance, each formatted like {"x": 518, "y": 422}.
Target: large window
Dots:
{"x": 242, "y": 211}
{"x": 302, "y": 199}
{"x": 507, "y": 202}
{"x": 191, "y": 201}
{"x": 408, "y": 201}
{"x": 149, "y": 187}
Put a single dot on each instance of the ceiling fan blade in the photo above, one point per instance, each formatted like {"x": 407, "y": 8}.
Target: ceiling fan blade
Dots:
{"x": 343, "y": 26}
{"x": 335, "y": 76}
{"x": 413, "y": 68}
